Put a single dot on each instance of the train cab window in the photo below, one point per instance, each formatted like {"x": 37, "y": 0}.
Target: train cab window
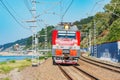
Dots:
{"x": 67, "y": 35}
{"x": 71, "y": 36}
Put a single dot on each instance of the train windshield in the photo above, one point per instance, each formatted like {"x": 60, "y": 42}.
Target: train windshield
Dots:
{"x": 66, "y": 34}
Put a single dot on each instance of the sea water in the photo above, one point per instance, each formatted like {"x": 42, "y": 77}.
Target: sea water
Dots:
{"x": 8, "y": 58}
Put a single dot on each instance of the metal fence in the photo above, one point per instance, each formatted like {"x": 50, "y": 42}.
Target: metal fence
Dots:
{"x": 108, "y": 51}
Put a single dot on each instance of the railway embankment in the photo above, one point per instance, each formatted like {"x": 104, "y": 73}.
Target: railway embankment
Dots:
{"x": 86, "y": 69}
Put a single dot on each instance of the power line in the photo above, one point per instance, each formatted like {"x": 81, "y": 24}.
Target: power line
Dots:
{"x": 67, "y": 9}
{"x": 50, "y": 8}
{"x": 11, "y": 8}
{"x": 61, "y": 9}
{"x": 14, "y": 12}
{"x": 2, "y": 6}
{"x": 94, "y": 6}
{"x": 27, "y": 6}
{"x": 12, "y": 15}
{"x": 46, "y": 11}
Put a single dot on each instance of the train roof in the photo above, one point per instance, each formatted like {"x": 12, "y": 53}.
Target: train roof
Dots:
{"x": 62, "y": 28}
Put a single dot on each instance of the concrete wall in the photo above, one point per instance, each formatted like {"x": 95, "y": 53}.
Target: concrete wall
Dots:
{"x": 108, "y": 51}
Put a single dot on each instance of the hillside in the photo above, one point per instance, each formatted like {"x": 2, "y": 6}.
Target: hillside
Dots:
{"x": 27, "y": 42}
{"x": 8, "y": 45}
{"x": 107, "y": 25}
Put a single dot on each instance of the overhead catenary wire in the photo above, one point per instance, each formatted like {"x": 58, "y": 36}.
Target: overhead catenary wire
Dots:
{"x": 27, "y": 6}
{"x": 46, "y": 11}
{"x": 61, "y": 9}
{"x": 46, "y": 2}
{"x": 66, "y": 10}
{"x": 12, "y": 14}
{"x": 12, "y": 9}
{"x": 96, "y": 3}
{"x": 2, "y": 5}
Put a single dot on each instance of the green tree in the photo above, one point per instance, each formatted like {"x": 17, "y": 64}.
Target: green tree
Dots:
{"x": 114, "y": 9}
{"x": 114, "y": 33}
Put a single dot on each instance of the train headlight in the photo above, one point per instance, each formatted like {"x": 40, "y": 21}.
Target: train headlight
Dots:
{"x": 66, "y": 27}
{"x": 75, "y": 45}
{"x": 57, "y": 45}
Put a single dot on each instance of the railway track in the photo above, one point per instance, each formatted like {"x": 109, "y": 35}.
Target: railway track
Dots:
{"x": 101, "y": 64}
{"x": 89, "y": 74}
{"x": 65, "y": 73}
{"x": 86, "y": 75}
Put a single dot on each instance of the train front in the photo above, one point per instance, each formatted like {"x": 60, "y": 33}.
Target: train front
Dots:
{"x": 65, "y": 44}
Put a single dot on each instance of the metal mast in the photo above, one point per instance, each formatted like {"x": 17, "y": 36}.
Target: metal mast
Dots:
{"x": 34, "y": 24}
{"x": 90, "y": 41}
{"x": 46, "y": 38}
{"x": 35, "y": 40}
{"x": 95, "y": 43}
{"x": 34, "y": 33}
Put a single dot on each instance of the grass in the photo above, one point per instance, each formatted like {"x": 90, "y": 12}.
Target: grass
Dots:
{"x": 3, "y": 63}
{"x": 7, "y": 67}
{"x": 6, "y": 78}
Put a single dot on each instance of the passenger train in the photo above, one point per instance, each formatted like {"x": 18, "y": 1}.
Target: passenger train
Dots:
{"x": 65, "y": 44}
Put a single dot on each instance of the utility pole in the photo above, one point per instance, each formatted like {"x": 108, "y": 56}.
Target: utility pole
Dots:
{"x": 95, "y": 43}
{"x": 35, "y": 43}
{"x": 89, "y": 40}
{"x": 46, "y": 48}
{"x": 45, "y": 37}
{"x": 34, "y": 33}
{"x": 34, "y": 24}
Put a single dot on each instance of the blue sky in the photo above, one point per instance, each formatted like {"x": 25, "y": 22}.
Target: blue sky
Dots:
{"x": 11, "y": 31}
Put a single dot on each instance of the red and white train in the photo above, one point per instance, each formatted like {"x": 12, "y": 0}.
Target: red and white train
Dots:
{"x": 65, "y": 44}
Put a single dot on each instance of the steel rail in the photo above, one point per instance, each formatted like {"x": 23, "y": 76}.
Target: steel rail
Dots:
{"x": 86, "y": 73}
{"x": 100, "y": 64}
{"x": 65, "y": 73}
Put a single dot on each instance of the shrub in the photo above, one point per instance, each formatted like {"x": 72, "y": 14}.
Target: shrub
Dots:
{"x": 12, "y": 61}
{"x": 27, "y": 59}
{"x": 41, "y": 57}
